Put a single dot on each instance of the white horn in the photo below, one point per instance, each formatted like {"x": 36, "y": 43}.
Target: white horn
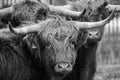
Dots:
{"x": 90, "y": 25}
{"x": 111, "y": 7}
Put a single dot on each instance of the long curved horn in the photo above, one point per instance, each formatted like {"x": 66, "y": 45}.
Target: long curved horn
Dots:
{"x": 64, "y": 11}
{"x": 68, "y": 7}
{"x": 29, "y": 29}
{"x": 111, "y": 7}
{"x": 6, "y": 32}
{"x": 23, "y": 30}
{"x": 6, "y": 11}
{"x": 90, "y": 25}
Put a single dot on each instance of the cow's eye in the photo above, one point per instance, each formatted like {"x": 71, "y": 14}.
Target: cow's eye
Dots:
{"x": 72, "y": 44}
{"x": 49, "y": 46}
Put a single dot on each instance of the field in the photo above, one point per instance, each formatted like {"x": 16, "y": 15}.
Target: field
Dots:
{"x": 108, "y": 72}
{"x": 108, "y": 58}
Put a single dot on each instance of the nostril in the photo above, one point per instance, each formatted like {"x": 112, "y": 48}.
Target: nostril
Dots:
{"x": 59, "y": 66}
{"x": 97, "y": 34}
{"x": 68, "y": 65}
{"x": 63, "y": 66}
{"x": 90, "y": 34}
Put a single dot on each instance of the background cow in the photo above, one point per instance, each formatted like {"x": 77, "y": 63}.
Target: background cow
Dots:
{"x": 32, "y": 11}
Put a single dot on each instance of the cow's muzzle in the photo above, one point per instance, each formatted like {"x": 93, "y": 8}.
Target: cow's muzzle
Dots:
{"x": 63, "y": 67}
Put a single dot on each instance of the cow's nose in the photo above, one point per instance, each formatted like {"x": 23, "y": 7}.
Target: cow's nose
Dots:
{"x": 63, "y": 67}
{"x": 93, "y": 34}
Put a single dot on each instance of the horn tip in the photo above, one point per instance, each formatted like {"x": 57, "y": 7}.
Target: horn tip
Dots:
{"x": 11, "y": 28}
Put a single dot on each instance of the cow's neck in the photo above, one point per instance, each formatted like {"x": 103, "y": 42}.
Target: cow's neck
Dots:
{"x": 48, "y": 75}
{"x": 54, "y": 78}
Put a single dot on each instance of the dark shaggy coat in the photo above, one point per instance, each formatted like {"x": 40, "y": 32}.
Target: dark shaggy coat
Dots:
{"x": 16, "y": 62}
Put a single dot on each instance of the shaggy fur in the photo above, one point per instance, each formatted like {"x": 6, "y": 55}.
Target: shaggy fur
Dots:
{"x": 26, "y": 11}
{"x": 16, "y": 62}
{"x": 29, "y": 11}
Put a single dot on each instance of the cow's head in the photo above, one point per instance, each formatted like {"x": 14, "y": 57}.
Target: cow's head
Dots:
{"x": 32, "y": 11}
{"x": 58, "y": 41}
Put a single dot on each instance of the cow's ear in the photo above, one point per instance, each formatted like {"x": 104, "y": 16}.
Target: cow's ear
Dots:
{"x": 30, "y": 42}
{"x": 6, "y": 18}
{"x": 34, "y": 46}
